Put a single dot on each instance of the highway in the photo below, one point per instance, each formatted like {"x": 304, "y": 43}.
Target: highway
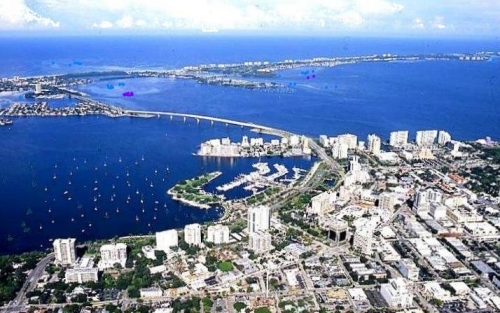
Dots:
{"x": 18, "y": 303}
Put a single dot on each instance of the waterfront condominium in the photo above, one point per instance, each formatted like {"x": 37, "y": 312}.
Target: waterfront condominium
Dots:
{"x": 192, "y": 234}
{"x": 64, "y": 250}
{"x": 112, "y": 254}
{"x": 398, "y": 138}
{"x": 166, "y": 239}
{"x": 218, "y": 234}
{"x": 374, "y": 143}
{"x": 258, "y": 218}
{"x": 426, "y": 138}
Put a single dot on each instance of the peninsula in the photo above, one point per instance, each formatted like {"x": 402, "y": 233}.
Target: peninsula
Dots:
{"x": 191, "y": 191}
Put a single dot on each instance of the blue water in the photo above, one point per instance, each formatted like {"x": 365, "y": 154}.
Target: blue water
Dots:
{"x": 461, "y": 97}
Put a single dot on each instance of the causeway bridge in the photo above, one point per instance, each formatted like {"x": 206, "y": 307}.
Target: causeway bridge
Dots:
{"x": 212, "y": 120}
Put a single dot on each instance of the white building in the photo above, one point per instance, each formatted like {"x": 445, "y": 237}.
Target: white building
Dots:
{"x": 218, "y": 234}
{"x": 349, "y": 139}
{"x": 152, "y": 292}
{"x": 38, "y": 88}
{"x": 386, "y": 201}
{"x": 437, "y": 211}
{"x": 424, "y": 198}
{"x": 64, "y": 250}
{"x": 443, "y": 137}
{"x": 294, "y": 140}
{"x": 324, "y": 141}
{"x": 84, "y": 271}
{"x": 396, "y": 293}
{"x": 339, "y": 150}
{"x": 259, "y": 241}
{"x": 166, "y": 239}
{"x": 258, "y": 218}
{"x": 408, "y": 269}
{"x": 363, "y": 240}
{"x": 112, "y": 254}
{"x": 322, "y": 203}
{"x": 426, "y": 138}
{"x": 398, "y": 138}
{"x": 192, "y": 234}
{"x": 374, "y": 143}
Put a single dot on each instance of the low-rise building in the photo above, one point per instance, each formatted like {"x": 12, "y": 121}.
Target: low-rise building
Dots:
{"x": 396, "y": 293}
{"x": 152, "y": 292}
{"x": 408, "y": 268}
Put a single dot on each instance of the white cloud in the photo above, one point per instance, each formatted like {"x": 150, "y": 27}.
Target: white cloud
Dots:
{"x": 103, "y": 25}
{"x": 438, "y": 23}
{"x": 125, "y": 22}
{"x": 380, "y": 7}
{"x": 350, "y": 18}
{"x": 418, "y": 23}
{"x": 15, "y": 14}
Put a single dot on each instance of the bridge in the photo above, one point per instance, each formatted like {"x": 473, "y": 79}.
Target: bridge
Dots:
{"x": 212, "y": 120}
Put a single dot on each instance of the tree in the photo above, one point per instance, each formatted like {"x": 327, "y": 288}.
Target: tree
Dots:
{"x": 238, "y": 306}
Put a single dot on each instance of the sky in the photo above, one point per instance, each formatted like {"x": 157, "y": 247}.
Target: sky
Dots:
{"x": 446, "y": 18}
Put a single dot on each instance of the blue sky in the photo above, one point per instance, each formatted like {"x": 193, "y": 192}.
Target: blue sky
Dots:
{"x": 446, "y": 18}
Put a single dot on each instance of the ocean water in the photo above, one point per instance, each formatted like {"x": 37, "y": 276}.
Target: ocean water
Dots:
{"x": 461, "y": 97}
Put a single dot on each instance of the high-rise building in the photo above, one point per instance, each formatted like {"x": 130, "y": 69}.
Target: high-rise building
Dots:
{"x": 398, "y": 138}
{"x": 354, "y": 164}
{"x": 192, "y": 234}
{"x": 349, "y": 139}
{"x": 64, "y": 250}
{"x": 374, "y": 143}
{"x": 259, "y": 241}
{"x": 218, "y": 234}
{"x": 426, "y": 138}
{"x": 363, "y": 240}
{"x": 443, "y": 137}
{"x": 112, "y": 254}
{"x": 38, "y": 88}
{"x": 424, "y": 198}
{"x": 259, "y": 218}
{"x": 166, "y": 239}
{"x": 386, "y": 201}
{"x": 322, "y": 203}
{"x": 339, "y": 150}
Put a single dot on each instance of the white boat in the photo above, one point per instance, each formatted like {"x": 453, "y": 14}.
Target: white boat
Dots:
{"x": 65, "y": 193}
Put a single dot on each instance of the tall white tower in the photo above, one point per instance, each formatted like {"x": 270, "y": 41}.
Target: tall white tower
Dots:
{"x": 64, "y": 250}
{"x": 258, "y": 218}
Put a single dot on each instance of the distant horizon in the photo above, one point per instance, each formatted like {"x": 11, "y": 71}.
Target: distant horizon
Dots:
{"x": 241, "y": 34}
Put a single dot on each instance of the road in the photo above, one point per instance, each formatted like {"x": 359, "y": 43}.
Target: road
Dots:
{"x": 18, "y": 303}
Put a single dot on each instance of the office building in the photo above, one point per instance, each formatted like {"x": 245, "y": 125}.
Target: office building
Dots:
{"x": 166, "y": 239}
{"x": 323, "y": 203}
{"x": 112, "y": 254}
{"x": 374, "y": 143}
{"x": 64, "y": 250}
{"x": 259, "y": 218}
{"x": 408, "y": 269}
{"x": 424, "y": 198}
{"x": 396, "y": 293}
{"x": 349, "y": 139}
{"x": 426, "y": 138}
{"x": 192, "y": 234}
{"x": 339, "y": 150}
{"x": 386, "y": 201}
{"x": 443, "y": 137}
{"x": 437, "y": 211}
{"x": 259, "y": 241}
{"x": 398, "y": 138}
{"x": 363, "y": 240}
{"x": 218, "y": 234}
